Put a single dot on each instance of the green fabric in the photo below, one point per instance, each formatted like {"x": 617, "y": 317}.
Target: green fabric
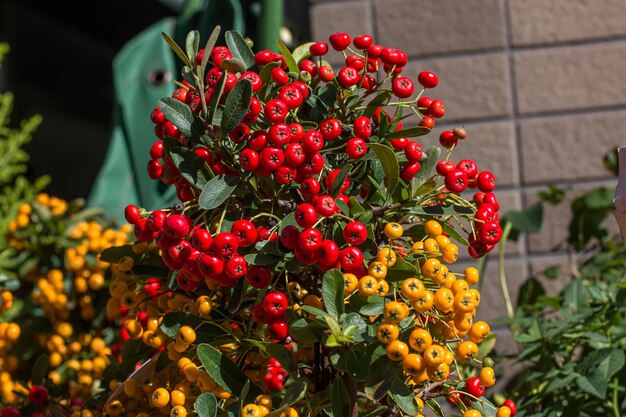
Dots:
{"x": 123, "y": 178}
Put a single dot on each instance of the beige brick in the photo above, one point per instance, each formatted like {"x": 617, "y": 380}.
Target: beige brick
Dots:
{"x": 470, "y": 86}
{"x": 555, "y": 230}
{"x": 541, "y": 21}
{"x": 568, "y": 78}
{"x": 492, "y": 303}
{"x": 569, "y": 147}
{"x": 352, "y": 17}
{"x": 422, "y": 27}
{"x": 492, "y": 146}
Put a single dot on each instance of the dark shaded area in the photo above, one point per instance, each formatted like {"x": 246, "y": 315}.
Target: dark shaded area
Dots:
{"x": 60, "y": 67}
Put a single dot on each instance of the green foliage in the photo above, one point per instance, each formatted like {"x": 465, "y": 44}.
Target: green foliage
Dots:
{"x": 574, "y": 342}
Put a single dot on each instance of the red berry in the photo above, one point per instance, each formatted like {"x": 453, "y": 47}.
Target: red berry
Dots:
{"x": 330, "y": 129}
{"x": 312, "y": 142}
{"x": 201, "y": 239}
{"x": 306, "y": 215}
{"x": 469, "y": 167}
{"x": 225, "y": 244}
{"x": 310, "y": 240}
{"x": 355, "y": 233}
{"x": 427, "y": 79}
{"x": 511, "y": 405}
{"x": 318, "y": 49}
{"x": 176, "y": 226}
{"x": 254, "y": 78}
{"x": 330, "y": 180}
{"x": 326, "y": 73}
{"x": 456, "y": 181}
{"x": 348, "y": 77}
{"x": 363, "y": 41}
{"x": 437, "y": 109}
{"x": 325, "y": 205}
{"x": 490, "y": 233}
{"x": 362, "y": 127}
{"x": 132, "y": 214}
{"x": 350, "y": 258}
{"x": 328, "y": 252}
{"x": 209, "y": 265}
{"x": 264, "y": 57}
{"x": 310, "y": 187}
{"x": 289, "y": 237}
{"x": 271, "y": 158}
{"x": 410, "y": 170}
{"x": 413, "y": 151}
{"x": 356, "y": 148}
{"x": 486, "y": 181}
{"x": 291, "y": 95}
{"x": 155, "y": 169}
{"x": 447, "y": 139}
{"x": 294, "y": 154}
{"x": 402, "y": 87}
{"x": 474, "y": 387}
{"x": 259, "y": 276}
{"x": 245, "y": 232}
{"x": 38, "y": 395}
{"x": 443, "y": 167}
{"x": 339, "y": 41}
{"x": 249, "y": 159}
{"x": 278, "y": 330}
{"x": 275, "y": 111}
{"x": 279, "y": 134}
{"x": 236, "y": 267}
{"x": 275, "y": 303}
{"x": 427, "y": 122}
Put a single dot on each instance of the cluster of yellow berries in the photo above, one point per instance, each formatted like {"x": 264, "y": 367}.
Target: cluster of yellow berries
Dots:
{"x": 442, "y": 302}
{"x": 262, "y": 406}
{"x": 67, "y": 297}
{"x": 76, "y": 359}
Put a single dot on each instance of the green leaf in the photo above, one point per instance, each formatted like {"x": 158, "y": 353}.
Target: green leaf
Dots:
{"x": 333, "y": 292}
{"x": 401, "y": 270}
{"x": 339, "y": 399}
{"x": 239, "y": 48}
{"x": 236, "y": 106}
{"x": 210, "y": 43}
{"x": 358, "y": 364}
{"x": 528, "y": 220}
{"x": 378, "y": 411}
{"x": 295, "y": 392}
{"x": 376, "y": 102}
{"x": 403, "y": 397}
{"x": 451, "y": 231}
{"x": 284, "y": 357}
{"x": 217, "y": 190}
{"x": 266, "y": 71}
{"x": 261, "y": 259}
{"x": 223, "y": 370}
{"x": 206, "y": 331}
{"x": 192, "y": 43}
{"x": 598, "y": 368}
{"x": 190, "y": 165}
{"x": 302, "y": 52}
{"x": 177, "y": 50}
{"x": 115, "y": 253}
{"x": 409, "y": 133}
{"x": 434, "y": 405}
{"x": 427, "y": 163}
{"x": 389, "y": 163}
{"x": 215, "y": 98}
{"x": 178, "y": 113}
{"x": 339, "y": 179}
{"x": 234, "y": 65}
{"x": 206, "y": 405}
{"x": 439, "y": 210}
{"x": 291, "y": 62}
{"x": 236, "y": 297}
{"x": 40, "y": 370}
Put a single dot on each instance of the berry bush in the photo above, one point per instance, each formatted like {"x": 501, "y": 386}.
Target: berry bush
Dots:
{"x": 308, "y": 268}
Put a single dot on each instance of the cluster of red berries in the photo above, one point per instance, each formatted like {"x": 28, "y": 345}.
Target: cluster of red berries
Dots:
{"x": 274, "y": 379}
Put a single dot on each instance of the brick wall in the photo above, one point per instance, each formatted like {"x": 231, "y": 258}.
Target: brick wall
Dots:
{"x": 539, "y": 84}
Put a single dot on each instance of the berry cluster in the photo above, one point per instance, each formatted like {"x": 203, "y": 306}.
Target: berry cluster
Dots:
{"x": 311, "y": 228}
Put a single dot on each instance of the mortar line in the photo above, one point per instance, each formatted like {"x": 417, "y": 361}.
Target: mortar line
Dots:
{"x": 516, "y": 122}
